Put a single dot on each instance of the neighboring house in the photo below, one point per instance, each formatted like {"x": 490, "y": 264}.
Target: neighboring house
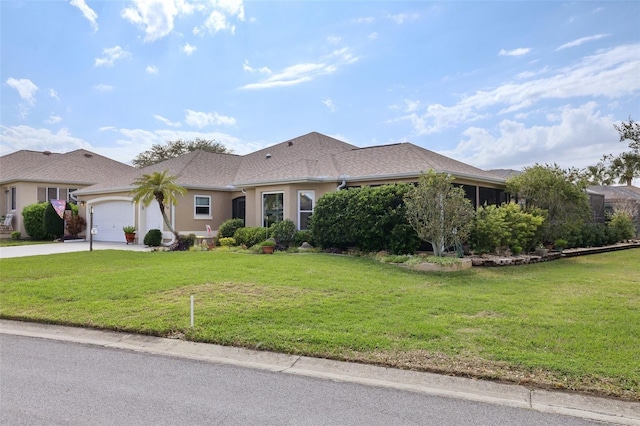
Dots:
{"x": 283, "y": 181}
{"x": 625, "y": 198}
{"x": 28, "y": 177}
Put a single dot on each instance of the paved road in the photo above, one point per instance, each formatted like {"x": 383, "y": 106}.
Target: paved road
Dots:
{"x": 53, "y": 382}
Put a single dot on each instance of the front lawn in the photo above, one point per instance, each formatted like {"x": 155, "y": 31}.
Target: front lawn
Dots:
{"x": 571, "y": 323}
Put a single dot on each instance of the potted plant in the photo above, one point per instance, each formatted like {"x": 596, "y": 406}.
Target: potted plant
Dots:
{"x": 129, "y": 233}
{"x": 268, "y": 246}
{"x": 560, "y": 244}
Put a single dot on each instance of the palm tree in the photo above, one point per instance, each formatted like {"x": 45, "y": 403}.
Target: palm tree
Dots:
{"x": 626, "y": 167}
{"x": 159, "y": 186}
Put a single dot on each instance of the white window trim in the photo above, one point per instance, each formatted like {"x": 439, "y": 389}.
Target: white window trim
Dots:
{"x": 313, "y": 204}
{"x": 262, "y": 205}
{"x": 202, "y": 216}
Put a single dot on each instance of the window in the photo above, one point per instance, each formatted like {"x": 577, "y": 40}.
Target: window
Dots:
{"x": 202, "y": 206}
{"x": 272, "y": 208}
{"x": 305, "y": 208}
{"x": 13, "y": 198}
{"x": 52, "y": 194}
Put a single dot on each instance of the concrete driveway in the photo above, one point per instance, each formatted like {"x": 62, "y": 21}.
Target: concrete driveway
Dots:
{"x": 53, "y": 248}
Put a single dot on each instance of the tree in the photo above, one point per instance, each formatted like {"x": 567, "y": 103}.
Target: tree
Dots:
{"x": 630, "y": 131}
{"x": 173, "y": 149}
{"x": 625, "y": 167}
{"x": 599, "y": 174}
{"x": 439, "y": 212}
{"x": 558, "y": 192}
{"x": 159, "y": 186}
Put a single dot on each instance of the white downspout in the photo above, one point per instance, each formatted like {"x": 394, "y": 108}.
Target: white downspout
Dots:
{"x": 342, "y": 185}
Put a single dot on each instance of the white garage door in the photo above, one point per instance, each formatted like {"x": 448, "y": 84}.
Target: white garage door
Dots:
{"x": 110, "y": 217}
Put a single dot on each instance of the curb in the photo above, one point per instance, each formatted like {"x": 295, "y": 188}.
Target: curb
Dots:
{"x": 565, "y": 403}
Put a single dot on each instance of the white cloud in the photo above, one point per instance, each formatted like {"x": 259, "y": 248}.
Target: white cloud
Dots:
{"x": 88, "y": 13}
{"x": 53, "y": 119}
{"x": 572, "y": 137}
{"x": 400, "y": 18}
{"x": 515, "y": 52}
{"x": 608, "y": 73}
{"x": 304, "y": 72}
{"x": 364, "y": 20}
{"x": 152, "y": 69}
{"x": 167, "y": 121}
{"x": 103, "y": 88}
{"x": 111, "y": 54}
{"x": 329, "y": 104}
{"x": 246, "y": 67}
{"x": 16, "y": 138}
{"x": 333, "y": 39}
{"x": 54, "y": 94}
{"x": 189, "y": 49}
{"x": 582, "y": 40}
{"x": 203, "y": 119}
{"x": 158, "y": 17}
{"x": 373, "y": 36}
{"x": 25, "y": 87}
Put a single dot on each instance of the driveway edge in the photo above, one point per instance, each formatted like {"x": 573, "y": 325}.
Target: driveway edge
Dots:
{"x": 566, "y": 403}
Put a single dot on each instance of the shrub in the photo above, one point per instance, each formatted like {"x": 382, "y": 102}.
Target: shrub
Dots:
{"x": 229, "y": 227}
{"x": 301, "y": 237}
{"x": 52, "y": 223}
{"x": 283, "y": 232}
{"x": 505, "y": 226}
{"x": 75, "y": 225}
{"x": 250, "y": 236}
{"x": 184, "y": 242}
{"x": 403, "y": 239}
{"x": 621, "y": 227}
{"x": 153, "y": 238}
{"x": 33, "y": 220}
{"x": 227, "y": 241}
{"x": 361, "y": 217}
{"x": 15, "y": 235}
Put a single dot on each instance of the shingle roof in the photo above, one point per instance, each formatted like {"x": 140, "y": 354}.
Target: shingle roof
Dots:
{"x": 197, "y": 169}
{"x": 76, "y": 167}
{"x": 617, "y": 192}
{"x": 311, "y": 157}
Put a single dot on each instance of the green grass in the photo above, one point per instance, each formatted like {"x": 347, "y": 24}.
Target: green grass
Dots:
{"x": 571, "y": 324}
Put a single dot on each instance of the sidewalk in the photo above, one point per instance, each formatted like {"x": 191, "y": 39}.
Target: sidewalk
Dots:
{"x": 566, "y": 403}
{"x": 66, "y": 247}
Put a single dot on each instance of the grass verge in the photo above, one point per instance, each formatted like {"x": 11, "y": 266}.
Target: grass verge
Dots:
{"x": 569, "y": 324}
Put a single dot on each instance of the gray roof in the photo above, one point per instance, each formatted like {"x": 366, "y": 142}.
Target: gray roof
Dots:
{"x": 313, "y": 157}
{"x": 79, "y": 167}
{"x": 617, "y": 192}
{"x": 505, "y": 173}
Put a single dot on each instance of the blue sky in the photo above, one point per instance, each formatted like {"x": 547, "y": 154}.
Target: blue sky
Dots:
{"x": 493, "y": 84}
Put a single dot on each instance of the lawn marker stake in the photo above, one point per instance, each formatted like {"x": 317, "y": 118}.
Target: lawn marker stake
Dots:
{"x": 192, "y": 311}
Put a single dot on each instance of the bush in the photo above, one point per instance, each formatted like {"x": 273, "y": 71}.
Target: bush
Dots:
{"x": 302, "y": 237}
{"x": 52, "y": 223}
{"x": 361, "y": 217}
{"x": 75, "y": 225}
{"x": 33, "y": 220}
{"x": 15, "y": 235}
{"x": 229, "y": 227}
{"x": 621, "y": 227}
{"x": 403, "y": 239}
{"x": 184, "y": 242}
{"x": 283, "y": 232}
{"x": 153, "y": 238}
{"x": 505, "y": 226}
{"x": 250, "y": 236}
{"x": 227, "y": 241}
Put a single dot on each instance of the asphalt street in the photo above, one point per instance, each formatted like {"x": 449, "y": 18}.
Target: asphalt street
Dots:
{"x": 48, "y": 382}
